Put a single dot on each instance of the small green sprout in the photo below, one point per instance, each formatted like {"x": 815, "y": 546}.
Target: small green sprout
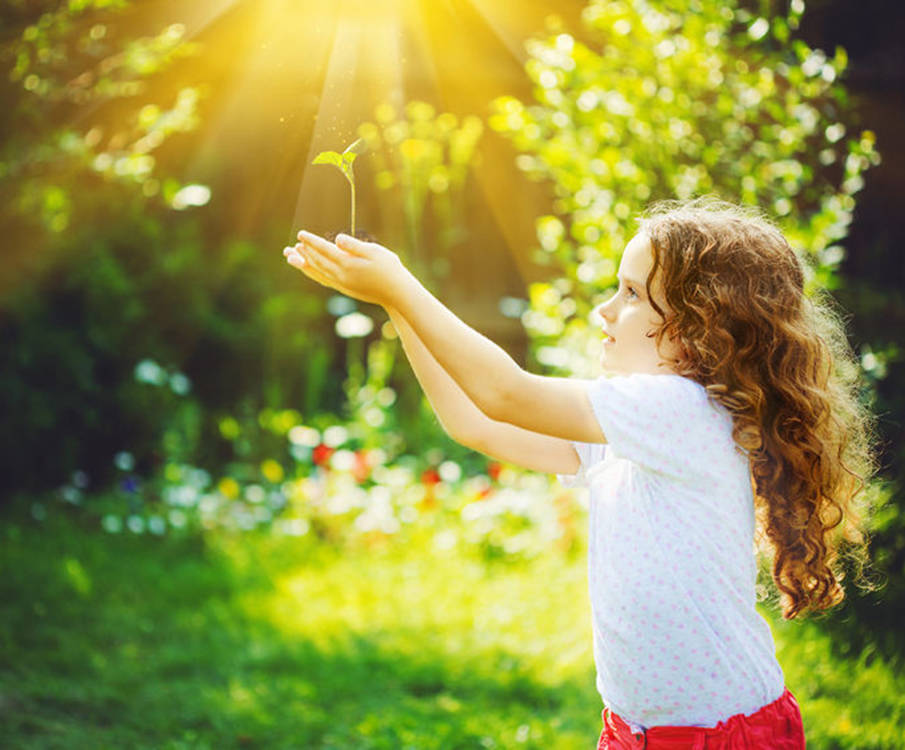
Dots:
{"x": 344, "y": 162}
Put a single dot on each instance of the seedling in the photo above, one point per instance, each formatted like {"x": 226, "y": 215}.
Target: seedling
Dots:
{"x": 344, "y": 162}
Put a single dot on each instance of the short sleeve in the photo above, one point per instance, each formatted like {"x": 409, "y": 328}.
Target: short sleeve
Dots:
{"x": 589, "y": 454}
{"x": 653, "y": 421}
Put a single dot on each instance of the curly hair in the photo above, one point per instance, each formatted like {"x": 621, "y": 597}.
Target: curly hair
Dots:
{"x": 778, "y": 360}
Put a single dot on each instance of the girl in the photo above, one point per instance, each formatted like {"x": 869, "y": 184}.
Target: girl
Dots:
{"x": 728, "y": 405}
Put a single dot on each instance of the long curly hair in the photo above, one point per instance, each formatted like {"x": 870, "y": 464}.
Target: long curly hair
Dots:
{"x": 778, "y": 360}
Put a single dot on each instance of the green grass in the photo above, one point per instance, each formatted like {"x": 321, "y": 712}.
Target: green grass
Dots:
{"x": 249, "y": 641}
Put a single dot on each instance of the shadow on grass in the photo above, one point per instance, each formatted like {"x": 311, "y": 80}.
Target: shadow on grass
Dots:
{"x": 137, "y": 641}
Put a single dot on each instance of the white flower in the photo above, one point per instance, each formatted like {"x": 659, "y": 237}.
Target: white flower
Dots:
{"x": 112, "y": 524}
{"x": 136, "y": 524}
{"x": 305, "y": 436}
{"x": 180, "y": 384}
{"x": 156, "y": 525}
{"x": 354, "y": 325}
{"x": 335, "y": 436}
{"x": 191, "y": 195}
{"x": 124, "y": 461}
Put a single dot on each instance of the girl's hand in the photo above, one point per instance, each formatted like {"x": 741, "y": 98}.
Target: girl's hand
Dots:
{"x": 363, "y": 270}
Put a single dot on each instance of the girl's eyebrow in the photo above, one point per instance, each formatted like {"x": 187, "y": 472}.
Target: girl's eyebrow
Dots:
{"x": 630, "y": 281}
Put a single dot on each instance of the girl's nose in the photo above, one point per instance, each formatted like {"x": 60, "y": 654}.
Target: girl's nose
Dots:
{"x": 599, "y": 312}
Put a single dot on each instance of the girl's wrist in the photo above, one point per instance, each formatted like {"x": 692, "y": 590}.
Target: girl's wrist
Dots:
{"x": 399, "y": 290}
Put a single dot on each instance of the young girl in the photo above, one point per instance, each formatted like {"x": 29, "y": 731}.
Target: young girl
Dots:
{"x": 728, "y": 404}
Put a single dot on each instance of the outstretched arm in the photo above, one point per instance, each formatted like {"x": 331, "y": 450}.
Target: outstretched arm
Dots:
{"x": 469, "y": 426}
{"x": 485, "y": 372}
{"x": 458, "y": 415}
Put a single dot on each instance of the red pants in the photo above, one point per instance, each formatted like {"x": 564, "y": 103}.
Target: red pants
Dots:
{"x": 776, "y": 726}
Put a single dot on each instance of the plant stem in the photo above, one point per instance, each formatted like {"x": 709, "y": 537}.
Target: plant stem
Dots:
{"x": 352, "y": 182}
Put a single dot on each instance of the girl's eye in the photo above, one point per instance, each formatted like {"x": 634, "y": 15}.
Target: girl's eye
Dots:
{"x": 632, "y": 291}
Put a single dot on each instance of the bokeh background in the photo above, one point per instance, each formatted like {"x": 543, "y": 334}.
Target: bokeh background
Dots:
{"x": 229, "y": 516}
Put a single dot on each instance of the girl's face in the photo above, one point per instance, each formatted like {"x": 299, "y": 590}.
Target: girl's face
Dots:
{"x": 628, "y": 315}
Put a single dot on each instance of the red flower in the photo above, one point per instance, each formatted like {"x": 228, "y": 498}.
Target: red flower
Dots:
{"x": 362, "y": 468}
{"x": 493, "y": 469}
{"x": 321, "y": 454}
{"x": 430, "y": 477}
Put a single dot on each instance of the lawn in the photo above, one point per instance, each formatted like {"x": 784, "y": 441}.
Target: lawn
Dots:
{"x": 253, "y": 641}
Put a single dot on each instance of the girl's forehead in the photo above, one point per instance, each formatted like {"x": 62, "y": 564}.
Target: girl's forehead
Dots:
{"x": 637, "y": 259}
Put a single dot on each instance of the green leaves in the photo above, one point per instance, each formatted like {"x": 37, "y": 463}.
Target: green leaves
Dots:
{"x": 343, "y": 161}
{"x": 634, "y": 111}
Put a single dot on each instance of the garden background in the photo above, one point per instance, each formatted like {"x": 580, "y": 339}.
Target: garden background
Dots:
{"x": 229, "y": 516}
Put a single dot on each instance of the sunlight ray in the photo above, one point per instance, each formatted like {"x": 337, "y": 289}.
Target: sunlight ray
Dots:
{"x": 365, "y": 68}
{"x": 493, "y": 15}
{"x": 197, "y": 17}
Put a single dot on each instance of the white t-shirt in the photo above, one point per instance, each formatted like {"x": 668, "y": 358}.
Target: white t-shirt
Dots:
{"x": 671, "y": 565}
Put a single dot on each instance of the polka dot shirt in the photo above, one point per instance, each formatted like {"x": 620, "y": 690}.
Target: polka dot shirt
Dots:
{"x": 671, "y": 567}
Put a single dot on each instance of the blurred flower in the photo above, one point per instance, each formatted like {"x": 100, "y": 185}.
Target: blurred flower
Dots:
{"x": 340, "y": 305}
{"x": 180, "y": 384}
{"x": 300, "y": 453}
{"x": 276, "y": 500}
{"x": 342, "y": 460}
{"x": 374, "y": 416}
{"x": 292, "y": 526}
{"x": 354, "y": 325}
{"x": 254, "y": 493}
{"x": 272, "y": 471}
{"x": 430, "y": 477}
{"x": 156, "y": 525}
{"x": 129, "y": 484}
{"x": 304, "y": 436}
{"x": 136, "y": 524}
{"x": 321, "y": 454}
{"x": 362, "y": 468}
{"x": 124, "y": 461}
{"x": 445, "y": 540}
{"x": 386, "y": 397}
{"x": 112, "y": 524}
{"x": 71, "y": 494}
{"x": 450, "y": 471}
{"x": 228, "y": 487}
{"x": 181, "y": 494}
{"x": 80, "y": 479}
{"x": 229, "y": 428}
{"x": 493, "y": 470}
{"x": 198, "y": 478}
{"x": 335, "y": 435}
{"x": 209, "y": 504}
{"x": 191, "y": 195}
{"x": 148, "y": 371}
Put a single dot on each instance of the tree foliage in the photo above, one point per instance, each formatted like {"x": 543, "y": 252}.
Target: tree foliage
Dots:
{"x": 667, "y": 103}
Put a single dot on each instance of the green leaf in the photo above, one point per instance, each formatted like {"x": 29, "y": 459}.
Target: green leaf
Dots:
{"x": 329, "y": 157}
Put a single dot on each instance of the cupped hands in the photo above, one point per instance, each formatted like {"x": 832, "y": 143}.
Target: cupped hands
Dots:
{"x": 366, "y": 271}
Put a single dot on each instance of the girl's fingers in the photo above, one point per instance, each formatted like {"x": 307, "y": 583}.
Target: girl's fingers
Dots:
{"x": 320, "y": 246}
{"x": 306, "y": 268}
{"x": 344, "y": 245}
{"x": 353, "y": 245}
{"x": 320, "y": 261}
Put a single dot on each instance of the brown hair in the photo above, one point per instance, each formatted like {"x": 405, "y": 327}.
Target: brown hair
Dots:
{"x": 779, "y": 361}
